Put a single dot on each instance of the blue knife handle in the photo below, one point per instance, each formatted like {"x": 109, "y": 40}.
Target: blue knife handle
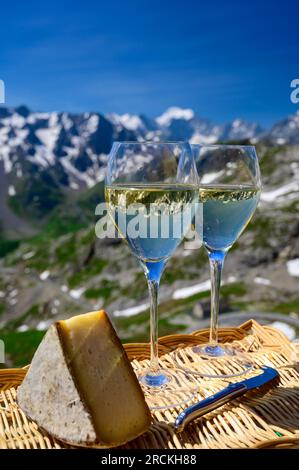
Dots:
{"x": 209, "y": 404}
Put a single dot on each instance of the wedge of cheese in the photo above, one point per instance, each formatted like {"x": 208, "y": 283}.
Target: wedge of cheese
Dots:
{"x": 81, "y": 387}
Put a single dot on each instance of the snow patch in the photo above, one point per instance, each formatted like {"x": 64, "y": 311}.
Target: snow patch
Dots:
{"x": 236, "y": 123}
{"x": 48, "y": 136}
{"x": 210, "y": 177}
{"x": 22, "y": 328}
{"x": 28, "y": 255}
{"x": 53, "y": 119}
{"x": 21, "y": 135}
{"x": 16, "y": 120}
{"x": 66, "y": 121}
{"x": 174, "y": 113}
{"x": 270, "y": 196}
{"x": 13, "y": 293}
{"x": 43, "y": 325}
{"x": 33, "y": 117}
{"x": 80, "y": 176}
{"x": 293, "y": 267}
{"x": 4, "y": 156}
{"x": 92, "y": 123}
{"x": 74, "y": 185}
{"x": 188, "y": 291}
{"x": 76, "y": 293}
{"x": 262, "y": 281}
{"x": 131, "y": 311}
{"x": 44, "y": 275}
{"x": 11, "y": 190}
{"x": 129, "y": 121}
{"x": 199, "y": 138}
{"x": 43, "y": 156}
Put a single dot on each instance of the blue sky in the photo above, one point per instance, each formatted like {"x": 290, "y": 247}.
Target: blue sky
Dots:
{"x": 225, "y": 59}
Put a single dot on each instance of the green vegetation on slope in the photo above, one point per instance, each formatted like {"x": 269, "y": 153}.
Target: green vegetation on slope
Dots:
{"x": 94, "y": 267}
{"x": 268, "y": 164}
{"x": 104, "y": 292}
{"x": 20, "y": 346}
{"x": 7, "y": 246}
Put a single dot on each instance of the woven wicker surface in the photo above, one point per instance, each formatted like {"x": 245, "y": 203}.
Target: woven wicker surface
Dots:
{"x": 268, "y": 418}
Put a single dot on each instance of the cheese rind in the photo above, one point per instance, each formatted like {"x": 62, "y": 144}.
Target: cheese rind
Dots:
{"x": 81, "y": 387}
{"x": 49, "y": 396}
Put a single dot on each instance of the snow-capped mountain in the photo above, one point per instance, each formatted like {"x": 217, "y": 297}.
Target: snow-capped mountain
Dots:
{"x": 239, "y": 129}
{"x": 44, "y": 156}
{"x": 74, "y": 146}
{"x": 178, "y": 123}
{"x": 286, "y": 131}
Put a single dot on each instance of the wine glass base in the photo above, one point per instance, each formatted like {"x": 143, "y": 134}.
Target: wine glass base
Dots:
{"x": 211, "y": 361}
{"x": 169, "y": 388}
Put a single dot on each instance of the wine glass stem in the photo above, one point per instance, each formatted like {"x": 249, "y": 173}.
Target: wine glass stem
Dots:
{"x": 153, "y": 272}
{"x": 216, "y": 265}
{"x": 153, "y": 287}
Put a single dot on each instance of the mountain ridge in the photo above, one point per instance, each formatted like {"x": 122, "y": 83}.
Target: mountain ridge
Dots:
{"x": 45, "y": 157}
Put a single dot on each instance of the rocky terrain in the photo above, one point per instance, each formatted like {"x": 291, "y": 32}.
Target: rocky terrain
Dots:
{"x": 52, "y": 265}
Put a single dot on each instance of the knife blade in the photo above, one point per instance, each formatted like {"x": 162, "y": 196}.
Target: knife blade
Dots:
{"x": 220, "y": 398}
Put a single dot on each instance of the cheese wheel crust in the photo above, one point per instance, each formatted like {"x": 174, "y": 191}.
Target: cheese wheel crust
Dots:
{"x": 50, "y": 393}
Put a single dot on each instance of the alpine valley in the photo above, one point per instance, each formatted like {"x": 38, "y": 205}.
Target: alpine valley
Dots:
{"x": 52, "y": 266}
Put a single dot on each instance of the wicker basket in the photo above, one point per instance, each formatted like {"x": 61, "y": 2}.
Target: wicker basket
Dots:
{"x": 261, "y": 419}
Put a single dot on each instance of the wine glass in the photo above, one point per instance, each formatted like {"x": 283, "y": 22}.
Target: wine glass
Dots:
{"x": 151, "y": 190}
{"x": 229, "y": 189}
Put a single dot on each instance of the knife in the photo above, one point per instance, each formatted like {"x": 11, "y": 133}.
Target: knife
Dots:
{"x": 220, "y": 398}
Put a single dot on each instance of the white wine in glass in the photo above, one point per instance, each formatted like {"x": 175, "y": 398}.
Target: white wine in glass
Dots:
{"x": 151, "y": 192}
{"x": 229, "y": 189}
